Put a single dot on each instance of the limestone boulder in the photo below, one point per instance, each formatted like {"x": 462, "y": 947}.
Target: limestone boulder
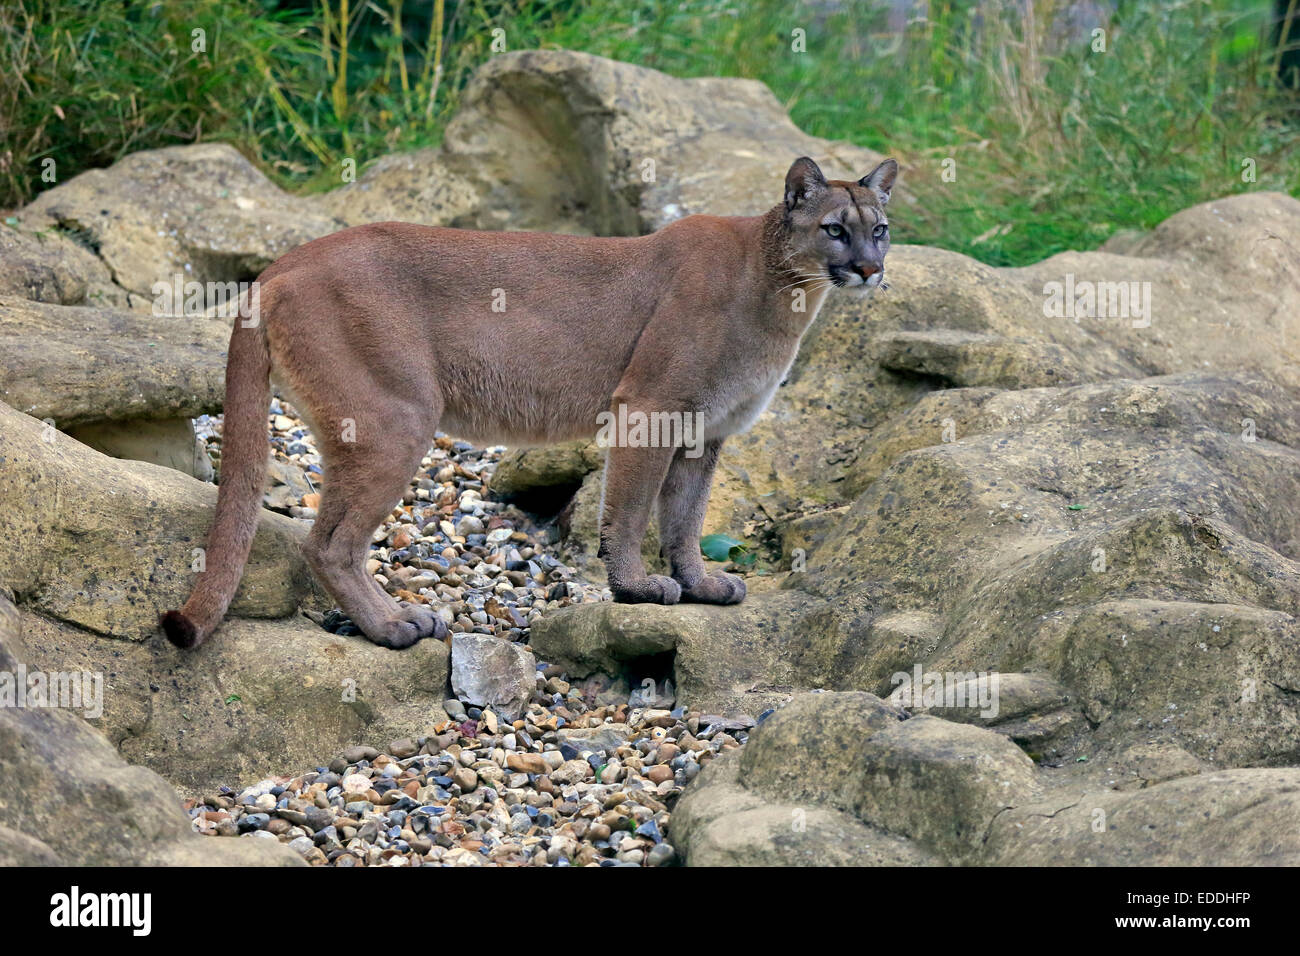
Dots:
{"x": 1036, "y": 712}
{"x": 558, "y": 140}
{"x": 67, "y": 797}
{"x": 721, "y": 823}
{"x": 260, "y": 696}
{"x": 1227, "y": 818}
{"x": 126, "y": 383}
{"x": 83, "y": 365}
{"x": 108, "y": 545}
{"x": 49, "y": 266}
{"x": 839, "y": 779}
{"x": 848, "y": 767}
{"x": 738, "y": 660}
{"x": 203, "y": 212}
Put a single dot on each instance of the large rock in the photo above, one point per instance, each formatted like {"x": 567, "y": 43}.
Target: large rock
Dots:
{"x": 258, "y": 697}
{"x": 109, "y": 545}
{"x": 563, "y": 141}
{"x": 908, "y": 791}
{"x": 1118, "y": 537}
{"x": 1035, "y": 711}
{"x": 487, "y": 671}
{"x": 48, "y": 266}
{"x": 203, "y": 212}
{"x": 67, "y": 797}
{"x": 126, "y": 383}
{"x": 942, "y": 784}
{"x": 738, "y": 660}
{"x": 98, "y": 548}
{"x": 721, "y": 823}
{"x": 838, "y": 779}
{"x": 1229, "y": 818}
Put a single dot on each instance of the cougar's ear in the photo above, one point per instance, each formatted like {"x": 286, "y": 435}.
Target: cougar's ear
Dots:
{"x": 804, "y": 179}
{"x": 881, "y": 180}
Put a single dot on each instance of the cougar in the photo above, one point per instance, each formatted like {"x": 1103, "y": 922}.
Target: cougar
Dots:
{"x": 381, "y": 334}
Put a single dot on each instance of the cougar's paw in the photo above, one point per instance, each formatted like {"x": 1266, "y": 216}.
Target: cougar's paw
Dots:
{"x": 716, "y": 588}
{"x": 653, "y": 589}
{"x": 411, "y": 623}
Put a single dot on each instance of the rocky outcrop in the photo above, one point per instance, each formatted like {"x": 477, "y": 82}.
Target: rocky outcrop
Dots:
{"x": 260, "y": 694}
{"x": 126, "y": 383}
{"x": 1227, "y": 818}
{"x": 845, "y": 779}
{"x": 203, "y": 212}
{"x": 569, "y": 142}
{"x": 108, "y": 545}
{"x": 97, "y": 548}
{"x": 50, "y": 266}
{"x": 80, "y": 366}
{"x": 67, "y": 797}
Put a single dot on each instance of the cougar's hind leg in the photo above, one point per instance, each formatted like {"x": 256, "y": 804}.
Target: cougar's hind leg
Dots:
{"x": 367, "y": 470}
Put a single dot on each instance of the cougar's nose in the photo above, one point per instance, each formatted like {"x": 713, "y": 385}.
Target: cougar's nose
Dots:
{"x": 865, "y": 269}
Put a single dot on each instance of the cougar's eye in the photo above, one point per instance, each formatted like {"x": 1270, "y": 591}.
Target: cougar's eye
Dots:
{"x": 836, "y": 231}
{"x": 881, "y": 230}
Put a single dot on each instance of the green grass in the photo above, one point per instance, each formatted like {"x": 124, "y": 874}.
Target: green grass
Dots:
{"x": 1055, "y": 145}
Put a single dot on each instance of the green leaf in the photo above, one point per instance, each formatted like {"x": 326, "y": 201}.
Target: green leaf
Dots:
{"x": 742, "y": 556}
{"x": 718, "y": 547}
{"x": 233, "y": 698}
{"x": 1077, "y": 507}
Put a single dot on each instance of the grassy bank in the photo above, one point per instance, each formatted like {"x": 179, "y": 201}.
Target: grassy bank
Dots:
{"x": 1026, "y": 132}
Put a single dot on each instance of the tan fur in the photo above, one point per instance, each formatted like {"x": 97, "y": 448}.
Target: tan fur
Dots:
{"x": 392, "y": 327}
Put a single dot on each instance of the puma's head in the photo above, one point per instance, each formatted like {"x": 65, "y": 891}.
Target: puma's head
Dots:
{"x": 838, "y": 230}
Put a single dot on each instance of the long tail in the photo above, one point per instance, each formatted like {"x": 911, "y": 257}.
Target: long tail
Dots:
{"x": 239, "y": 496}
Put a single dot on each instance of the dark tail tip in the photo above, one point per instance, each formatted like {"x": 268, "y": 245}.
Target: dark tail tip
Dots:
{"x": 180, "y": 629}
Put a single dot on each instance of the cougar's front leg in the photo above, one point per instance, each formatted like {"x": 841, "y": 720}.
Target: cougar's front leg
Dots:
{"x": 632, "y": 480}
{"x": 683, "y": 500}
